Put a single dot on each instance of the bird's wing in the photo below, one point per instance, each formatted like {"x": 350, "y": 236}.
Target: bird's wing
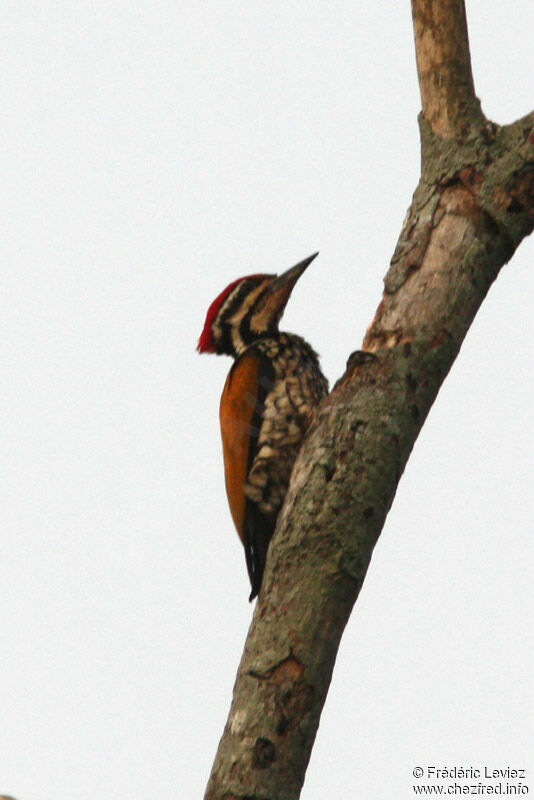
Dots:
{"x": 241, "y": 416}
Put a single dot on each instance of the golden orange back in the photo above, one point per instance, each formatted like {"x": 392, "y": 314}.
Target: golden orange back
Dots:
{"x": 238, "y": 403}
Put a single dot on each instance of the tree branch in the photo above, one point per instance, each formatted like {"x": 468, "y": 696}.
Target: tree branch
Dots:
{"x": 444, "y": 67}
{"x": 473, "y": 206}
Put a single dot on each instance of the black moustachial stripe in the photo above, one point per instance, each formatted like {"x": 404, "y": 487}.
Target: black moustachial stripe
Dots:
{"x": 230, "y": 307}
{"x": 239, "y": 299}
{"x": 246, "y": 333}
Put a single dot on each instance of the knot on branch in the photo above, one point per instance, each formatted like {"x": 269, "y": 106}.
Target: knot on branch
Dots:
{"x": 264, "y": 753}
{"x": 293, "y": 696}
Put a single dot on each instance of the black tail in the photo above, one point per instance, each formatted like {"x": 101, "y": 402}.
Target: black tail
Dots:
{"x": 259, "y": 529}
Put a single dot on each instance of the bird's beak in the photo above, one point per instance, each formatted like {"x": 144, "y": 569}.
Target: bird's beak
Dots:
{"x": 283, "y": 284}
{"x": 272, "y": 301}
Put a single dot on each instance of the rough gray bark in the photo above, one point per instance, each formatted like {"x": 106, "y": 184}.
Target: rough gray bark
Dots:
{"x": 473, "y": 206}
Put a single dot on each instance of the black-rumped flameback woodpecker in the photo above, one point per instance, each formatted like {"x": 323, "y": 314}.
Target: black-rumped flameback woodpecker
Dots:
{"x": 269, "y": 399}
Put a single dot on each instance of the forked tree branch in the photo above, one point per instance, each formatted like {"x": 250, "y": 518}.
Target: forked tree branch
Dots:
{"x": 473, "y": 206}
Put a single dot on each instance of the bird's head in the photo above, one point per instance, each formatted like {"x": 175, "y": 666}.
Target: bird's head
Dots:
{"x": 248, "y": 309}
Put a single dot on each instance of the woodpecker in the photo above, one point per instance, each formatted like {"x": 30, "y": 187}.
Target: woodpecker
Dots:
{"x": 269, "y": 399}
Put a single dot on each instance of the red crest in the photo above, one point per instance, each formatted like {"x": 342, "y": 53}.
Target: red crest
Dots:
{"x": 206, "y": 342}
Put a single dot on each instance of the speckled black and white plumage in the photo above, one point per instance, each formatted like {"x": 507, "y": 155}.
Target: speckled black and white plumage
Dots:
{"x": 295, "y": 387}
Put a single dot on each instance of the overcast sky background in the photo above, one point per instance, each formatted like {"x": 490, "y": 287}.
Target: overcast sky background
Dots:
{"x": 151, "y": 153}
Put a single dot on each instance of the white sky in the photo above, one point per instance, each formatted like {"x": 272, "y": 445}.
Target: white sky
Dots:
{"x": 151, "y": 153}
